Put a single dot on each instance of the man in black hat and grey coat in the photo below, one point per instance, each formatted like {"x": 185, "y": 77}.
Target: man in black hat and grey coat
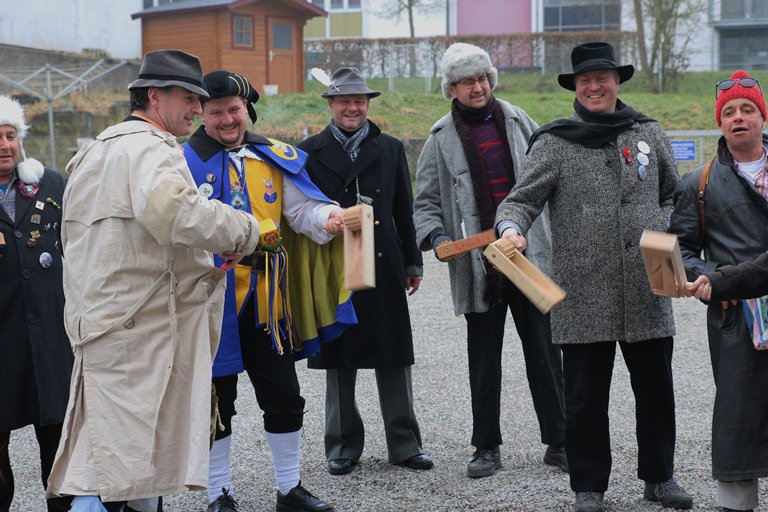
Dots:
{"x": 472, "y": 158}
{"x": 607, "y": 173}
{"x": 353, "y": 162}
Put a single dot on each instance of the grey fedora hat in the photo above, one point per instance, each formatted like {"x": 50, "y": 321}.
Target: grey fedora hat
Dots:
{"x": 166, "y": 68}
{"x": 592, "y": 57}
{"x": 348, "y": 81}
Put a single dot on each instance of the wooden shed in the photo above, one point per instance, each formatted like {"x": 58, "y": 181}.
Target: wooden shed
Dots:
{"x": 260, "y": 39}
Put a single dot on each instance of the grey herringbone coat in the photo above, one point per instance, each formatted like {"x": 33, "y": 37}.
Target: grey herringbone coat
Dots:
{"x": 445, "y": 200}
{"x": 599, "y": 205}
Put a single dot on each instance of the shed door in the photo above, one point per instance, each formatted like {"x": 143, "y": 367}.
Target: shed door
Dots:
{"x": 281, "y": 53}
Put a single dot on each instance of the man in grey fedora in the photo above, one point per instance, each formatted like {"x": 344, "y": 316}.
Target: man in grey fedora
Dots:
{"x": 353, "y": 162}
{"x": 607, "y": 173}
{"x": 143, "y": 300}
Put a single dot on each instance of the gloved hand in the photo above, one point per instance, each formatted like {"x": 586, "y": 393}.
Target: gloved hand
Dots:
{"x": 437, "y": 240}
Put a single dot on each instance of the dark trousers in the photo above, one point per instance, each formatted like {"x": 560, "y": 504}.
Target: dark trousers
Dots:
{"x": 344, "y": 431}
{"x": 543, "y": 366}
{"x": 273, "y": 378}
{"x": 48, "y": 441}
{"x": 588, "y": 369}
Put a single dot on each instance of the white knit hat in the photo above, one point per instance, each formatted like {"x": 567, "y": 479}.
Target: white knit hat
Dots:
{"x": 12, "y": 113}
{"x": 462, "y": 60}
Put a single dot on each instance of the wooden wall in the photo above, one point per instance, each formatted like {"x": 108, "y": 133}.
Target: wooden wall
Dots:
{"x": 208, "y": 34}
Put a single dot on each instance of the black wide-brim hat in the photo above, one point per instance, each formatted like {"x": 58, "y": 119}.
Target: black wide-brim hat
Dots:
{"x": 222, "y": 84}
{"x": 348, "y": 81}
{"x": 593, "y": 57}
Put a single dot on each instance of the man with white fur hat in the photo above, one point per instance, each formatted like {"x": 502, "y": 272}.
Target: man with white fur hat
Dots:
{"x": 35, "y": 358}
{"x": 473, "y": 157}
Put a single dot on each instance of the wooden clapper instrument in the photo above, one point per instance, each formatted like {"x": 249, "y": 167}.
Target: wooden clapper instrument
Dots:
{"x": 540, "y": 289}
{"x": 447, "y": 251}
{"x": 359, "y": 262}
{"x": 663, "y": 263}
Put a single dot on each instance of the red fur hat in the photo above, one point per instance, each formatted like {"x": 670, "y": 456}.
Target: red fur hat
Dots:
{"x": 753, "y": 94}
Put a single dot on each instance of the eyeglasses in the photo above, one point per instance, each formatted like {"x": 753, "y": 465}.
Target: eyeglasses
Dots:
{"x": 469, "y": 83}
{"x": 724, "y": 85}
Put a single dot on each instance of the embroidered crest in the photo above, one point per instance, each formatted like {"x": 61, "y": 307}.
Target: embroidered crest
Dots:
{"x": 270, "y": 195}
{"x": 283, "y": 150}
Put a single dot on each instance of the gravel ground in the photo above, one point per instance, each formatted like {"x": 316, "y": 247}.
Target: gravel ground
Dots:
{"x": 441, "y": 394}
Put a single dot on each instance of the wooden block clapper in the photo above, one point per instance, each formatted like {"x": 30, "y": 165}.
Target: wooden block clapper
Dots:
{"x": 451, "y": 250}
{"x": 540, "y": 289}
{"x": 663, "y": 263}
{"x": 359, "y": 260}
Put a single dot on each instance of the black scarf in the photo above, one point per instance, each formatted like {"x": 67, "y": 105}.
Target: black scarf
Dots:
{"x": 597, "y": 128}
{"x": 482, "y": 190}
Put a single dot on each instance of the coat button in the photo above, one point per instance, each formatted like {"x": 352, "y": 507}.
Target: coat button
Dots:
{"x": 628, "y": 246}
{"x": 17, "y": 234}
{"x": 623, "y": 202}
{"x": 26, "y": 273}
{"x": 378, "y": 191}
{"x": 380, "y": 255}
{"x": 32, "y": 318}
{"x": 129, "y": 323}
{"x": 376, "y": 223}
{"x": 607, "y": 163}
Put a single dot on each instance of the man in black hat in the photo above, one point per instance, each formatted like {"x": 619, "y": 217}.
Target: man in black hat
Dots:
{"x": 353, "y": 162}
{"x": 266, "y": 178}
{"x": 143, "y": 300}
{"x": 607, "y": 173}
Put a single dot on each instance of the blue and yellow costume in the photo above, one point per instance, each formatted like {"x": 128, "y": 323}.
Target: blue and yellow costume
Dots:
{"x": 321, "y": 307}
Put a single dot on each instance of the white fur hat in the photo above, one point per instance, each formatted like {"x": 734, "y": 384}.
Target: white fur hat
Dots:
{"x": 462, "y": 60}
{"x": 12, "y": 113}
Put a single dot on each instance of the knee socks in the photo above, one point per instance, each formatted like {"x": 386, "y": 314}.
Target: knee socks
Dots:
{"x": 219, "y": 476}
{"x": 286, "y": 458}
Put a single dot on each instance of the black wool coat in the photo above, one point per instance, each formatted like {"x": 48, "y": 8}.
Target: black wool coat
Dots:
{"x": 35, "y": 355}
{"x": 735, "y": 231}
{"x": 382, "y": 338}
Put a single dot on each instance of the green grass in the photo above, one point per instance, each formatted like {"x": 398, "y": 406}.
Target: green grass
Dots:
{"x": 409, "y": 111}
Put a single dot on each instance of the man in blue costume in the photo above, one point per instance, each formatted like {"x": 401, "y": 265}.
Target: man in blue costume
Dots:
{"x": 265, "y": 177}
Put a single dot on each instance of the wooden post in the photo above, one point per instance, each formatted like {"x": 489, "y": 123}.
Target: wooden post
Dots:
{"x": 663, "y": 264}
{"x": 447, "y": 251}
{"x": 540, "y": 289}
{"x": 359, "y": 262}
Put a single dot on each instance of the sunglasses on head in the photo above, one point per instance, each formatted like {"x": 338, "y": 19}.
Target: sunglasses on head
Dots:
{"x": 724, "y": 85}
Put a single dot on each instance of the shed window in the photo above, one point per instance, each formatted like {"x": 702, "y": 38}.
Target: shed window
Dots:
{"x": 242, "y": 31}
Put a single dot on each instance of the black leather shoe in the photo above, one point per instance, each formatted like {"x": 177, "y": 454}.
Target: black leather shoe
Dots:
{"x": 669, "y": 494}
{"x": 589, "y": 502}
{"x": 420, "y": 461}
{"x": 555, "y": 456}
{"x": 340, "y": 466}
{"x": 224, "y": 503}
{"x": 299, "y": 499}
{"x": 726, "y": 509}
{"x": 484, "y": 463}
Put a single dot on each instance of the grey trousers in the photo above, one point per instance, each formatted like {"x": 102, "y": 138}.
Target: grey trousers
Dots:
{"x": 344, "y": 431}
{"x": 738, "y": 495}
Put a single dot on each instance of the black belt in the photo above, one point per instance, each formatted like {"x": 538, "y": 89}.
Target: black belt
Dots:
{"x": 257, "y": 261}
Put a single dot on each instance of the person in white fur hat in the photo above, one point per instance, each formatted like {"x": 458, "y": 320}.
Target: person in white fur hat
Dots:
{"x": 35, "y": 358}
{"x": 471, "y": 160}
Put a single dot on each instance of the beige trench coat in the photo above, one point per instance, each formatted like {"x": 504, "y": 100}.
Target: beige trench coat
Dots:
{"x": 143, "y": 315}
